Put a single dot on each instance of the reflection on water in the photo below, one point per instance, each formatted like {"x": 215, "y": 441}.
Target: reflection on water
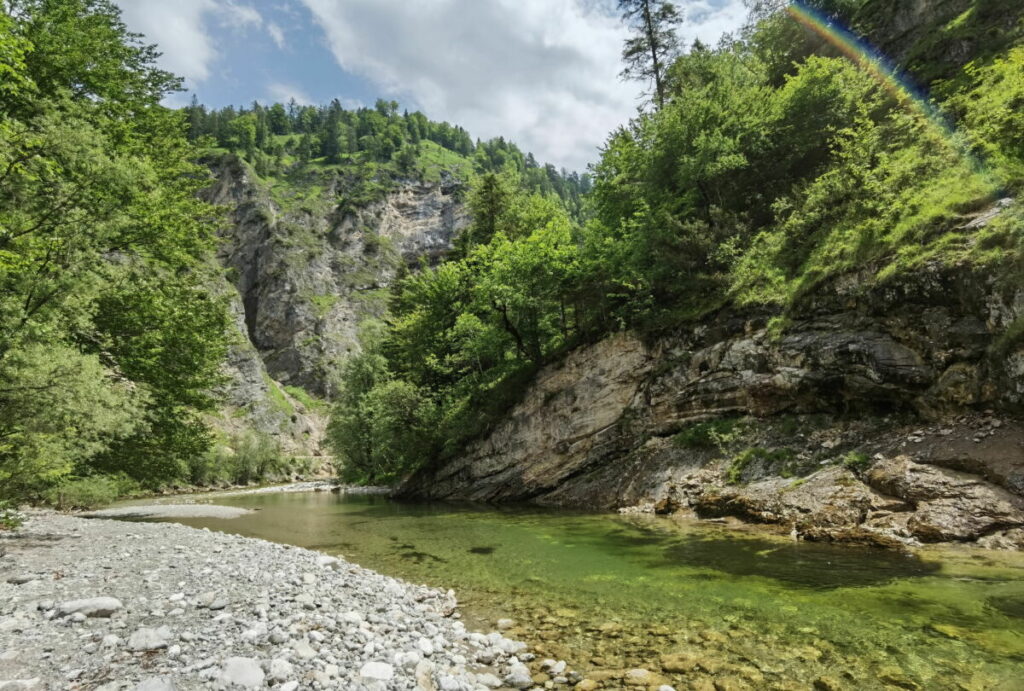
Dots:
{"x": 610, "y": 592}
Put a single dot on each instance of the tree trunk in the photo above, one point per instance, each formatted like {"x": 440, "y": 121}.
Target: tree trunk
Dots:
{"x": 659, "y": 89}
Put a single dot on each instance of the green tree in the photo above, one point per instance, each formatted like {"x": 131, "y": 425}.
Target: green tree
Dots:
{"x": 243, "y": 134}
{"x": 98, "y": 190}
{"x": 654, "y": 45}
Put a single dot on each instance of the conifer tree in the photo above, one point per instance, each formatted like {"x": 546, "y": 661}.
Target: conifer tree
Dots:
{"x": 654, "y": 43}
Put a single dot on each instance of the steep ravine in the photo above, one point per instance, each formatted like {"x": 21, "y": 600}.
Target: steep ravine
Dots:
{"x": 304, "y": 269}
{"x": 885, "y": 415}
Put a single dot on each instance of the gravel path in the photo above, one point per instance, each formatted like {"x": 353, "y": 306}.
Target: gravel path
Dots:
{"x": 103, "y": 604}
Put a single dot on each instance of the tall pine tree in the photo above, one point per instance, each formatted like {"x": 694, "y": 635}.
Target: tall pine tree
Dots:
{"x": 654, "y": 45}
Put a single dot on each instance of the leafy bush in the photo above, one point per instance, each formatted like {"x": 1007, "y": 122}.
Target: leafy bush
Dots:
{"x": 713, "y": 434}
{"x": 740, "y": 462}
{"x": 90, "y": 492}
{"x": 306, "y": 399}
{"x": 255, "y": 457}
{"x": 856, "y": 461}
{"x": 9, "y": 516}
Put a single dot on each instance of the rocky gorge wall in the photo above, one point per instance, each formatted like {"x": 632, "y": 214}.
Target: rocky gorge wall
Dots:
{"x": 303, "y": 269}
{"x": 880, "y": 415}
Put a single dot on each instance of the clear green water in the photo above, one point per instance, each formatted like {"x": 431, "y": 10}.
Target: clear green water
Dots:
{"x": 608, "y": 592}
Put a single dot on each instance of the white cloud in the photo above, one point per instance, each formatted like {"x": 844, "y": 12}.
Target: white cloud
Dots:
{"x": 276, "y": 33}
{"x": 282, "y": 93}
{"x": 182, "y": 30}
{"x": 709, "y": 19}
{"x": 240, "y": 16}
{"x": 178, "y": 29}
{"x": 541, "y": 72}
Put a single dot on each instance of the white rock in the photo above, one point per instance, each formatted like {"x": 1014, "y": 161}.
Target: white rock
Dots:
{"x": 91, "y": 607}
{"x": 377, "y": 671}
{"x": 489, "y": 680}
{"x": 425, "y": 647}
{"x": 21, "y": 684}
{"x": 289, "y": 686}
{"x": 408, "y": 660}
{"x": 243, "y": 672}
{"x": 303, "y": 649}
{"x": 329, "y": 562}
{"x": 518, "y": 676}
{"x": 280, "y": 670}
{"x": 148, "y": 639}
{"x": 156, "y": 684}
{"x": 424, "y": 674}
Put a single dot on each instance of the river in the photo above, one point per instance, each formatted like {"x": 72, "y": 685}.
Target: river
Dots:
{"x": 705, "y": 601}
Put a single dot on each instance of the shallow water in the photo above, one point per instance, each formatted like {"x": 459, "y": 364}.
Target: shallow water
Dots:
{"x": 609, "y": 592}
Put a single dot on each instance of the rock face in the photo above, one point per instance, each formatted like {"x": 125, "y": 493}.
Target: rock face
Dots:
{"x": 561, "y": 428}
{"x": 302, "y": 273}
{"x": 828, "y": 416}
{"x": 308, "y": 272}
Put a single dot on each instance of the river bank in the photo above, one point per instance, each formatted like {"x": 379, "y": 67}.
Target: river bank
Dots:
{"x": 697, "y": 604}
{"x": 102, "y": 604}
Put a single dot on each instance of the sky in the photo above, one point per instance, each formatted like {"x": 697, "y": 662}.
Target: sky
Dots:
{"x": 542, "y": 73}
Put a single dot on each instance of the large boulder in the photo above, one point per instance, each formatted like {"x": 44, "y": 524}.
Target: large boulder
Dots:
{"x": 949, "y": 505}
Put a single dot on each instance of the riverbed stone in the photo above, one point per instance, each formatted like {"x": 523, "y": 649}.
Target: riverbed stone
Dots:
{"x": 242, "y": 672}
{"x": 360, "y": 617}
{"x": 280, "y": 670}
{"x": 377, "y": 671}
{"x": 21, "y": 684}
{"x": 679, "y": 663}
{"x": 489, "y": 680}
{"x": 519, "y": 676}
{"x": 641, "y": 677}
{"x": 90, "y": 607}
{"x": 219, "y": 604}
{"x": 303, "y": 650}
{"x": 156, "y": 684}
{"x": 147, "y": 639}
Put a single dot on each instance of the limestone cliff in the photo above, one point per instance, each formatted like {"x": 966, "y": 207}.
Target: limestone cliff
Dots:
{"x": 875, "y": 413}
{"x": 304, "y": 267}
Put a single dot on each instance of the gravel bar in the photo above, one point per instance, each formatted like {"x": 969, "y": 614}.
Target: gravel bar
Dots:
{"x": 110, "y": 605}
{"x": 169, "y": 511}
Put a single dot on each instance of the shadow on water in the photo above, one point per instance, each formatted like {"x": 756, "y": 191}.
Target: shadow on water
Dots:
{"x": 410, "y": 553}
{"x": 804, "y": 565}
{"x": 1009, "y": 606}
